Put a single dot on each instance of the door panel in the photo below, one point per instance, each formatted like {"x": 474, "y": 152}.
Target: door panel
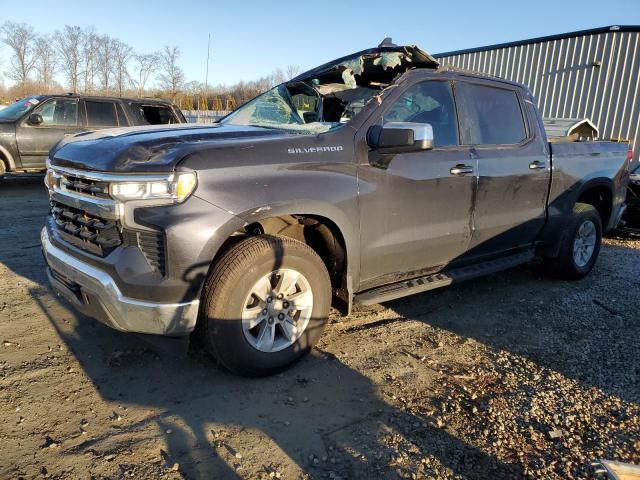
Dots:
{"x": 510, "y": 204}
{"x": 415, "y": 215}
{"x": 416, "y": 212}
{"x": 60, "y": 117}
{"x": 513, "y": 173}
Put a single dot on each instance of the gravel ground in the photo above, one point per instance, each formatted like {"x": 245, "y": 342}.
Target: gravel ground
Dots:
{"x": 510, "y": 376}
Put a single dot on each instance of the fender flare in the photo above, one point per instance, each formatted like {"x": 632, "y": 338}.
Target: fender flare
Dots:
{"x": 311, "y": 207}
{"x": 608, "y": 184}
{"x": 596, "y": 182}
{"x": 301, "y": 207}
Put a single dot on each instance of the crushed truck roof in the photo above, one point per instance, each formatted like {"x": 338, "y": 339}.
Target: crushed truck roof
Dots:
{"x": 385, "y": 56}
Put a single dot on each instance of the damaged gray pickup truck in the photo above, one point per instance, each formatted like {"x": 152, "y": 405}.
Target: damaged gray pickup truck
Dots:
{"x": 369, "y": 178}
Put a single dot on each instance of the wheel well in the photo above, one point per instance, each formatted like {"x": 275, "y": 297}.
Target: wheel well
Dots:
{"x": 602, "y": 199}
{"x": 320, "y": 233}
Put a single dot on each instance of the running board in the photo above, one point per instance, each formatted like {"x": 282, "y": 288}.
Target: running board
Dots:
{"x": 442, "y": 279}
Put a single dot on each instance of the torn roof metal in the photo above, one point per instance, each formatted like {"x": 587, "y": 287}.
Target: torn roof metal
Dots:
{"x": 387, "y": 56}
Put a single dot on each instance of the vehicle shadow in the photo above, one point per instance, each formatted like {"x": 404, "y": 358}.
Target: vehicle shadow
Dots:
{"x": 550, "y": 322}
{"x": 321, "y": 413}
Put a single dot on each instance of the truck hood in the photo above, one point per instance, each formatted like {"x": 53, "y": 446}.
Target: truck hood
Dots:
{"x": 146, "y": 149}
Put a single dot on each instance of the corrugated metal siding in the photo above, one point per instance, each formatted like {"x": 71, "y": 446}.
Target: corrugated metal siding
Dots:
{"x": 566, "y": 83}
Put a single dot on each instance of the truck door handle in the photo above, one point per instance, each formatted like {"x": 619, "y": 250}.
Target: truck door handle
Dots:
{"x": 537, "y": 165}
{"x": 461, "y": 169}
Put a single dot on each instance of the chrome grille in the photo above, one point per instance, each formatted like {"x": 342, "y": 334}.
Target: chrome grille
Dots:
{"x": 93, "y": 234}
{"x": 85, "y": 186}
{"x": 84, "y": 214}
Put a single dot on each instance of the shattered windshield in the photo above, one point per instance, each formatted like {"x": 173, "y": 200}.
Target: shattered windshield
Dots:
{"x": 287, "y": 106}
{"x": 327, "y": 97}
{"x": 16, "y": 110}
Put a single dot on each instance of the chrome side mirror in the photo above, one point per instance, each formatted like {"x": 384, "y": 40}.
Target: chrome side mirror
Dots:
{"x": 399, "y": 137}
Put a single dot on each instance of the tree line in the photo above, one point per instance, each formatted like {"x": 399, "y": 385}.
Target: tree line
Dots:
{"x": 98, "y": 64}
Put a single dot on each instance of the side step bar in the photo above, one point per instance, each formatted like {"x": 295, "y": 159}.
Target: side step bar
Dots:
{"x": 441, "y": 279}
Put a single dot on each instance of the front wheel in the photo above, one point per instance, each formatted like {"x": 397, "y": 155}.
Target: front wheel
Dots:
{"x": 265, "y": 304}
{"x": 580, "y": 244}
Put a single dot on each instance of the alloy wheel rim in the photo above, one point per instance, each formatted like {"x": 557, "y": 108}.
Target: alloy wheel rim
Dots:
{"x": 277, "y": 310}
{"x": 584, "y": 243}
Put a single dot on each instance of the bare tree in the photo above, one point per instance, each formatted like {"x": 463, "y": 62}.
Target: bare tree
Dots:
{"x": 292, "y": 71}
{"x": 20, "y": 37}
{"x": 89, "y": 56}
{"x": 45, "y": 61}
{"x": 172, "y": 76}
{"x": 277, "y": 77}
{"x": 95, "y": 62}
{"x": 121, "y": 55}
{"x": 189, "y": 98}
{"x": 105, "y": 61}
{"x": 228, "y": 97}
{"x": 69, "y": 43}
{"x": 146, "y": 65}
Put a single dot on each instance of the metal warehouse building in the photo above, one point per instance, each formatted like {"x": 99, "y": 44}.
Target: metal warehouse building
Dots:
{"x": 591, "y": 74}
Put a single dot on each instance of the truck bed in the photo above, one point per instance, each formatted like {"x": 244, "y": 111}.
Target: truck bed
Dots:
{"x": 604, "y": 162}
{"x": 598, "y": 148}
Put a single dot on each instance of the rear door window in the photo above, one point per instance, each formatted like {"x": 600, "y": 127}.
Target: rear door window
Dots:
{"x": 493, "y": 115}
{"x": 101, "y": 114}
{"x": 153, "y": 114}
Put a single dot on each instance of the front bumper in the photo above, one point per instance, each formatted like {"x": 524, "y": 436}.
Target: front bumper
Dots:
{"x": 95, "y": 293}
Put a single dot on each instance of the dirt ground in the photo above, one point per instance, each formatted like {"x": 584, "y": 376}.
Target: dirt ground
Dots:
{"x": 509, "y": 376}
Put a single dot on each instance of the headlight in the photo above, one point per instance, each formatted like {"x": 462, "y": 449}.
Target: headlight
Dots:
{"x": 178, "y": 189}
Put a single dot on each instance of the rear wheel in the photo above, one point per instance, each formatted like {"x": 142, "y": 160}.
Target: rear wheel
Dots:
{"x": 266, "y": 302}
{"x": 580, "y": 244}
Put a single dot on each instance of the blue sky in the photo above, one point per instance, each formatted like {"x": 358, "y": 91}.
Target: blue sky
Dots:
{"x": 251, "y": 38}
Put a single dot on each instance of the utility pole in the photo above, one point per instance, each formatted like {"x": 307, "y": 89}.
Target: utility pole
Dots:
{"x": 206, "y": 77}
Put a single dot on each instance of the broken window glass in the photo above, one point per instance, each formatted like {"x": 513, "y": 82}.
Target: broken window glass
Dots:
{"x": 331, "y": 95}
{"x": 428, "y": 102}
{"x": 291, "y": 107}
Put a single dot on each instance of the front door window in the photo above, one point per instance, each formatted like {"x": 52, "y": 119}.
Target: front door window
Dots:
{"x": 58, "y": 112}
{"x": 428, "y": 102}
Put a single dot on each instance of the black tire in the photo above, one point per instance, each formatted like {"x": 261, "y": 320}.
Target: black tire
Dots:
{"x": 564, "y": 265}
{"x": 225, "y": 292}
